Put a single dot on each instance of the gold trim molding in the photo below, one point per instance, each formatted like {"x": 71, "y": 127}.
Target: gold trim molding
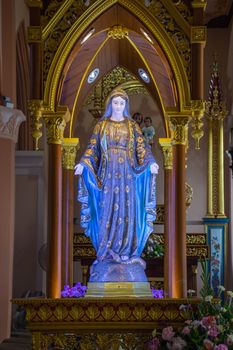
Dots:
{"x": 197, "y": 4}
{"x": 47, "y": 314}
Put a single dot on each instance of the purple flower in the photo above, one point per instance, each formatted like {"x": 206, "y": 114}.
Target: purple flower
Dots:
{"x": 77, "y": 291}
{"x": 213, "y": 331}
{"x": 186, "y": 330}
{"x": 157, "y": 293}
{"x": 167, "y": 333}
{"x": 221, "y": 347}
{"x": 153, "y": 344}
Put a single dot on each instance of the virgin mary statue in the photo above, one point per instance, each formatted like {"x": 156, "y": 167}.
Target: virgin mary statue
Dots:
{"x": 117, "y": 194}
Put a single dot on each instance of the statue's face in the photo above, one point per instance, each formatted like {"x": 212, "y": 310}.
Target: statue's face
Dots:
{"x": 118, "y": 105}
{"x": 147, "y": 122}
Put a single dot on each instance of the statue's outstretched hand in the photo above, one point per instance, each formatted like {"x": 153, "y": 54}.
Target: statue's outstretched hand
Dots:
{"x": 154, "y": 168}
{"x": 78, "y": 169}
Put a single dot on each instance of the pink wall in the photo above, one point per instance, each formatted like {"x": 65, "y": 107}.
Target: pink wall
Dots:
{"x": 7, "y": 193}
{"x": 8, "y": 74}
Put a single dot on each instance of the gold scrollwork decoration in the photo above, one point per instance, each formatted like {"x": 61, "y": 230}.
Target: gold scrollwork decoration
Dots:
{"x": 179, "y": 126}
{"x": 35, "y": 108}
{"x": 184, "y": 10}
{"x": 117, "y": 76}
{"x": 34, "y": 34}
{"x": 201, "y": 252}
{"x": 160, "y": 214}
{"x": 197, "y": 238}
{"x": 55, "y": 128}
{"x": 84, "y": 252}
{"x": 178, "y": 37}
{"x": 198, "y": 34}
{"x": 58, "y": 32}
{"x": 118, "y": 32}
{"x": 69, "y": 151}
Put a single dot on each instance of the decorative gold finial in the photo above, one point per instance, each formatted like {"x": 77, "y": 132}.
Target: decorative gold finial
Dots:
{"x": 198, "y": 109}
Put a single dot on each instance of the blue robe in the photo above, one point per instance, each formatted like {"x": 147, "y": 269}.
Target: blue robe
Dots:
{"x": 117, "y": 191}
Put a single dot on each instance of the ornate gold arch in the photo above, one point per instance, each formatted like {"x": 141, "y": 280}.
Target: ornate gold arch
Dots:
{"x": 84, "y": 21}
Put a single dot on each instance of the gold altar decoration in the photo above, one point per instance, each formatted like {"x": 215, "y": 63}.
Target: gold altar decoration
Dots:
{"x": 196, "y": 245}
{"x": 71, "y": 19}
{"x": 87, "y": 322}
{"x": 198, "y": 109}
{"x": 35, "y": 108}
{"x": 69, "y": 151}
{"x": 118, "y": 32}
{"x": 215, "y": 113}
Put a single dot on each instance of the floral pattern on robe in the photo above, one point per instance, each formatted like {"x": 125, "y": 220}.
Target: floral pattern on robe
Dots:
{"x": 117, "y": 190}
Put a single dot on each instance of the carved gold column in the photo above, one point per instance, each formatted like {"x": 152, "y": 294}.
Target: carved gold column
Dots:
{"x": 55, "y": 123}
{"x": 179, "y": 124}
{"x": 215, "y": 113}
{"x": 221, "y": 206}
{"x": 198, "y": 41}
{"x": 210, "y": 212}
{"x": 35, "y": 108}
{"x": 69, "y": 150}
{"x": 169, "y": 262}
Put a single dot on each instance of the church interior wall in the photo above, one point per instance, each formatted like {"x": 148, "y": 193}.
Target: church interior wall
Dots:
{"x": 30, "y": 223}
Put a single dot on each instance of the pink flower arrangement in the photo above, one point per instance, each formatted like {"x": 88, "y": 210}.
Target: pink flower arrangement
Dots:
{"x": 209, "y": 327}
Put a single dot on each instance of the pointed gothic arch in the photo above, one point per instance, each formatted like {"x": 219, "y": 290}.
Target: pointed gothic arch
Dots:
{"x": 55, "y": 75}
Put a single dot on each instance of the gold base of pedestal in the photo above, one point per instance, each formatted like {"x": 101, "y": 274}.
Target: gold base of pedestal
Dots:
{"x": 118, "y": 289}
